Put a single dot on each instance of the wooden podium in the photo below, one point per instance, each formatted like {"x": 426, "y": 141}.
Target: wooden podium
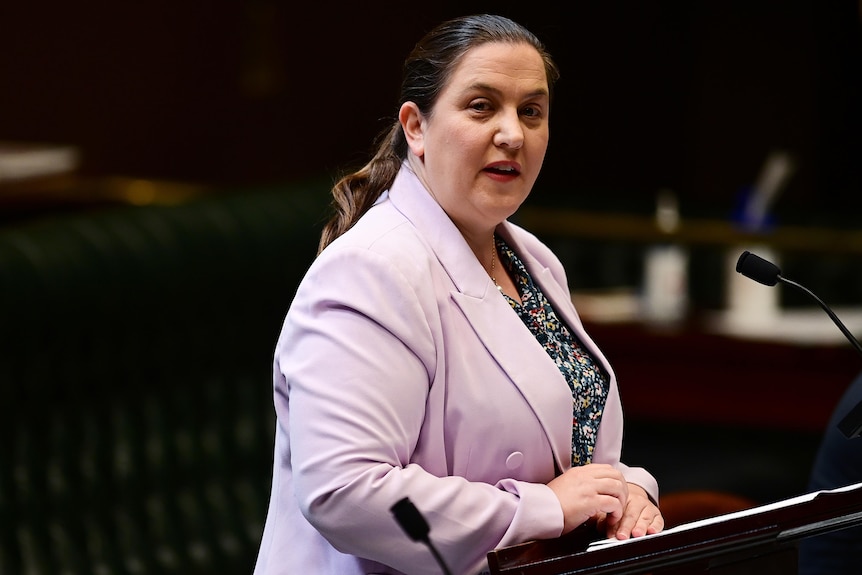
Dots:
{"x": 762, "y": 540}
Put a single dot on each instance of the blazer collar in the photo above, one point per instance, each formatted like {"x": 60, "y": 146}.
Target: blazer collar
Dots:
{"x": 411, "y": 198}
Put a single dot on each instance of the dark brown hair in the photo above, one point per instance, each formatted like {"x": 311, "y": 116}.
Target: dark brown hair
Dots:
{"x": 426, "y": 71}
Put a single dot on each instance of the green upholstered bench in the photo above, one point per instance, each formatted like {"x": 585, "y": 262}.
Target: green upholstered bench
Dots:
{"x": 136, "y": 413}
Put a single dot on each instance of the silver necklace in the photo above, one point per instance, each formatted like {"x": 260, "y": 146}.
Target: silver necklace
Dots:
{"x": 493, "y": 264}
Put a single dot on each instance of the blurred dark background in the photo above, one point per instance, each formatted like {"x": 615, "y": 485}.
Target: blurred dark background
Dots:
{"x": 143, "y": 292}
{"x": 690, "y": 96}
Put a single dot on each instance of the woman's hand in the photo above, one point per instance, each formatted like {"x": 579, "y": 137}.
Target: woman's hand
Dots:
{"x": 640, "y": 516}
{"x": 595, "y": 491}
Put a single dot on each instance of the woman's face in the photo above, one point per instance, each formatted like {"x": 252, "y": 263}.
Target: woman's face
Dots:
{"x": 480, "y": 150}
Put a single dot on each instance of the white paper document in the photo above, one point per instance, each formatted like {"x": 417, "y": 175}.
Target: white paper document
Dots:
{"x": 605, "y": 543}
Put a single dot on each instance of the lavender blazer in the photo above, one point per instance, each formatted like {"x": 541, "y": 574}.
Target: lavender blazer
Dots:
{"x": 402, "y": 371}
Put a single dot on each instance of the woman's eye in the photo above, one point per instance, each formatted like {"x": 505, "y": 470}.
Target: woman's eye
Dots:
{"x": 532, "y": 112}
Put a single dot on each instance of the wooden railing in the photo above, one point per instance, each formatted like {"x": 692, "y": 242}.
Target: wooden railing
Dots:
{"x": 615, "y": 226}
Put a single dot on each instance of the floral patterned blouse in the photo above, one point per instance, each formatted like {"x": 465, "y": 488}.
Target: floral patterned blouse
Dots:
{"x": 587, "y": 380}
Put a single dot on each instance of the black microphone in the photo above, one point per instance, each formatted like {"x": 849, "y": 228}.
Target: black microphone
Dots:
{"x": 767, "y": 273}
{"x": 756, "y": 268}
{"x": 414, "y": 524}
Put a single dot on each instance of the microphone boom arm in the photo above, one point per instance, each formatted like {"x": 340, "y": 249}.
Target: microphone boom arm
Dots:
{"x": 829, "y": 312}
{"x": 767, "y": 273}
{"x": 851, "y": 424}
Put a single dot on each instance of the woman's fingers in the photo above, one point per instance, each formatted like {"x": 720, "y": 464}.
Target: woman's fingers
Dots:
{"x": 591, "y": 491}
{"x": 640, "y": 517}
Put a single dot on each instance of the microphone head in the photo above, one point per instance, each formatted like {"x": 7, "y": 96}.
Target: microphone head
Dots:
{"x": 410, "y": 519}
{"x": 755, "y": 267}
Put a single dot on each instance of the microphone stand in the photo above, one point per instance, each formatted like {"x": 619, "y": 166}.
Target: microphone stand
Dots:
{"x": 831, "y": 314}
{"x": 851, "y": 424}
{"x": 767, "y": 273}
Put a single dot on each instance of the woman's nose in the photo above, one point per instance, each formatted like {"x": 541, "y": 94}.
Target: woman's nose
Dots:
{"x": 510, "y": 132}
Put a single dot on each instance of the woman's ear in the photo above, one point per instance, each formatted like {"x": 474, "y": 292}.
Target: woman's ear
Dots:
{"x": 413, "y": 124}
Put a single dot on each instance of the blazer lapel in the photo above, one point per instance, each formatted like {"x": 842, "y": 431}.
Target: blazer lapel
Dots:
{"x": 496, "y": 325}
{"x": 525, "y": 363}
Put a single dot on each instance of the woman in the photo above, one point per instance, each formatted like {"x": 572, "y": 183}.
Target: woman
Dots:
{"x": 433, "y": 352}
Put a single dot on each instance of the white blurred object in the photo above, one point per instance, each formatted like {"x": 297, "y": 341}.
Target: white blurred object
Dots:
{"x": 750, "y": 305}
{"x": 665, "y": 280}
{"x": 776, "y": 171}
{"x": 665, "y": 298}
{"x": 20, "y": 160}
{"x": 808, "y": 326}
{"x": 620, "y": 305}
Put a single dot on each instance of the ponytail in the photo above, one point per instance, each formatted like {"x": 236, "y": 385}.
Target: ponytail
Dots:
{"x": 355, "y": 193}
